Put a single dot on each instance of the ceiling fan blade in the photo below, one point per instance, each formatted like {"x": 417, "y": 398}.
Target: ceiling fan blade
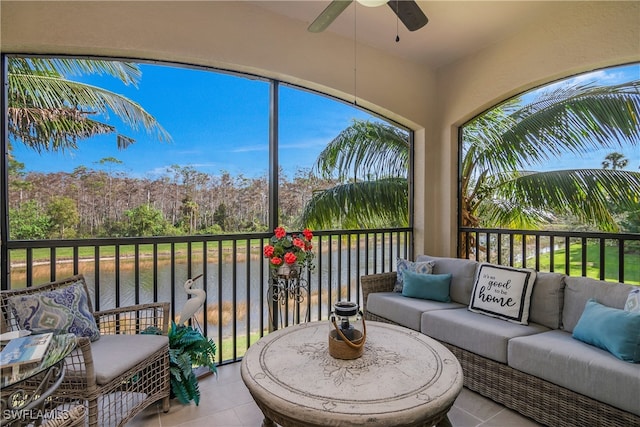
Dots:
{"x": 409, "y": 13}
{"x": 331, "y": 12}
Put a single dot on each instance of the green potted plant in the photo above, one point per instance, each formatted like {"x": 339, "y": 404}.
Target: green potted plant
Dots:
{"x": 188, "y": 349}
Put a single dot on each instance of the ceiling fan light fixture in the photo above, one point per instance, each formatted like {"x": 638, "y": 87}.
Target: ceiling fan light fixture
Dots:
{"x": 372, "y": 3}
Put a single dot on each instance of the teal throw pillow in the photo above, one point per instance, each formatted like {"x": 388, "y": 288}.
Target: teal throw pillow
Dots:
{"x": 611, "y": 329}
{"x": 427, "y": 286}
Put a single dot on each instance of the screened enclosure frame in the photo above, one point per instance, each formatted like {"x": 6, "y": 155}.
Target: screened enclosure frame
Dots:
{"x": 273, "y": 140}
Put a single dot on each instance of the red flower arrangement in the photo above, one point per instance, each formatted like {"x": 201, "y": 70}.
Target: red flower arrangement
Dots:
{"x": 291, "y": 249}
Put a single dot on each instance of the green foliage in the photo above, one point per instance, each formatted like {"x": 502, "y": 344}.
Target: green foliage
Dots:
{"x": 29, "y": 222}
{"x": 64, "y": 216}
{"x": 214, "y": 229}
{"x": 188, "y": 348}
{"x": 221, "y": 217}
{"x": 145, "y": 220}
{"x": 631, "y": 223}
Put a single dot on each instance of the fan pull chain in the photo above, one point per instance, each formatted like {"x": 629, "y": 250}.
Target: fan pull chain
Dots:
{"x": 397, "y": 22}
{"x": 355, "y": 55}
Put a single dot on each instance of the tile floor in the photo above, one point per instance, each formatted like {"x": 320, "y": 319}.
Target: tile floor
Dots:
{"x": 225, "y": 402}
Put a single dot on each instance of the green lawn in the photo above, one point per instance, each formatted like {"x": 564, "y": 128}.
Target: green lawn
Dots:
{"x": 631, "y": 267}
{"x": 88, "y": 252}
{"x": 241, "y": 345}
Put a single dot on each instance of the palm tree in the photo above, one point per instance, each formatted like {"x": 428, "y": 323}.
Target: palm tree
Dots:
{"x": 499, "y": 191}
{"x": 615, "y": 160}
{"x": 498, "y": 147}
{"x": 49, "y": 112}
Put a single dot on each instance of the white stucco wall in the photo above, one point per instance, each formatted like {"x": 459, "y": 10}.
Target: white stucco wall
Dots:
{"x": 578, "y": 37}
{"x": 231, "y": 35}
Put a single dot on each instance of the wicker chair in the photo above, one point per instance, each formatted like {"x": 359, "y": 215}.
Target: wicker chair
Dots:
{"x": 120, "y": 374}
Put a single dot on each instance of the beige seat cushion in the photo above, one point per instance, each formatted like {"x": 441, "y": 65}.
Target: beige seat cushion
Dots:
{"x": 477, "y": 333}
{"x": 558, "y": 358}
{"x": 403, "y": 310}
{"x": 115, "y": 354}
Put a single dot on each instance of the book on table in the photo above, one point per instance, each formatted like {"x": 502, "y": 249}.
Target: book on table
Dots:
{"x": 27, "y": 350}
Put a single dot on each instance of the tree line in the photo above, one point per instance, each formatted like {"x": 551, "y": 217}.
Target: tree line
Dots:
{"x": 90, "y": 202}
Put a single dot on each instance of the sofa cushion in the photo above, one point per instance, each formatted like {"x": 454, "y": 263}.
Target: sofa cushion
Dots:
{"x": 402, "y": 265}
{"x": 547, "y": 299}
{"x": 402, "y": 310}
{"x": 579, "y": 289}
{"x": 115, "y": 354}
{"x": 558, "y": 358}
{"x": 480, "y": 334}
{"x": 611, "y": 329}
{"x": 427, "y": 286}
{"x": 463, "y": 272}
{"x": 62, "y": 309}
{"x": 503, "y": 292}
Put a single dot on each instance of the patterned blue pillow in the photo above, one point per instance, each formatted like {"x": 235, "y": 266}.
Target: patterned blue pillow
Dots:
{"x": 402, "y": 265}
{"x": 633, "y": 301}
{"x": 64, "y": 309}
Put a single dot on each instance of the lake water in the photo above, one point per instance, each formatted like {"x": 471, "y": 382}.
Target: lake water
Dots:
{"x": 238, "y": 286}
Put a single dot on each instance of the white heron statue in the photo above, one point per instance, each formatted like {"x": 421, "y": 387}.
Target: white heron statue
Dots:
{"x": 194, "y": 303}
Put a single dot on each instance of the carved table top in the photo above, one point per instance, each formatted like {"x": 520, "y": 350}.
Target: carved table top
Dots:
{"x": 403, "y": 378}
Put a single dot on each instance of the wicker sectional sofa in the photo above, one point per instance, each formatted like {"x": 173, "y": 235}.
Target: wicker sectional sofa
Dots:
{"x": 539, "y": 369}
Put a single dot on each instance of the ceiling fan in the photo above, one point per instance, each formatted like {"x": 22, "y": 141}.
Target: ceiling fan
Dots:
{"x": 407, "y": 11}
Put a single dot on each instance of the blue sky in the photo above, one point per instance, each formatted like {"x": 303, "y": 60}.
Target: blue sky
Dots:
{"x": 219, "y": 122}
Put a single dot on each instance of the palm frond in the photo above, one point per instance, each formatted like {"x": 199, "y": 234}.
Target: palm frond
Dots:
{"x": 363, "y": 204}
{"x": 127, "y": 72}
{"x": 576, "y": 119}
{"x": 572, "y": 119}
{"x": 53, "y": 130}
{"x": 589, "y": 194}
{"x": 55, "y": 93}
{"x": 366, "y": 151}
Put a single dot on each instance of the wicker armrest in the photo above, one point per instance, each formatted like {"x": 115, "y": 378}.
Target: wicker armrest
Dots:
{"x": 383, "y": 282}
{"x": 134, "y": 319}
{"x": 80, "y": 373}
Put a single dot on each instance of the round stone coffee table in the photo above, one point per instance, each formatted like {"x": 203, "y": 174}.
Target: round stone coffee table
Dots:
{"x": 404, "y": 378}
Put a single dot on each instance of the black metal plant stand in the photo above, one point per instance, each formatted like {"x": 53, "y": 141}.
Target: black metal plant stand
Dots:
{"x": 287, "y": 297}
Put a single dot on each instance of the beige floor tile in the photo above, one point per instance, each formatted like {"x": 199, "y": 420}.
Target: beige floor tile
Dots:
{"x": 461, "y": 418}
{"x": 147, "y": 418}
{"x": 226, "y": 402}
{"x": 226, "y": 418}
{"x": 476, "y": 405}
{"x": 249, "y": 414}
{"x": 509, "y": 418}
